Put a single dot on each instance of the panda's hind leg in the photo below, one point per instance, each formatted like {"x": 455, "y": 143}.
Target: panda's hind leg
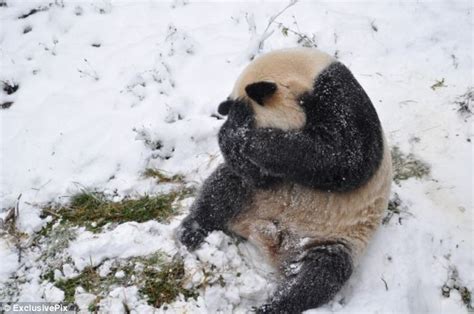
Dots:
{"x": 312, "y": 281}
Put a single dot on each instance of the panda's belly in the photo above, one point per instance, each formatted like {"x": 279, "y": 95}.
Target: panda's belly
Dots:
{"x": 290, "y": 217}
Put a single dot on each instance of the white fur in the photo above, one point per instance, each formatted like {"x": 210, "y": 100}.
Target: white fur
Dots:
{"x": 294, "y": 71}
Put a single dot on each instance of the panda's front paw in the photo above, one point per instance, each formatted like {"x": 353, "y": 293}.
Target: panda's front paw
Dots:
{"x": 191, "y": 234}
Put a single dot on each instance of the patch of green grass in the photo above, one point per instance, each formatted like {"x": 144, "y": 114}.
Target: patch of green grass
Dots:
{"x": 407, "y": 166}
{"x": 162, "y": 177}
{"x": 159, "y": 281}
{"x": 88, "y": 279}
{"x": 93, "y": 210}
{"x": 165, "y": 284}
{"x": 94, "y": 306}
{"x": 46, "y": 229}
{"x": 55, "y": 241}
{"x": 48, "y": 275}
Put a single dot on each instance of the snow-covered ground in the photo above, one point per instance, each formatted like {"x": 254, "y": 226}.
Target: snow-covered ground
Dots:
{"x": 107, "y": 89}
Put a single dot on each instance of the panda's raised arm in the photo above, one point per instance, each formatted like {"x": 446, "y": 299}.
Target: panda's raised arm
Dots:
{"x": 340, "y": 146}
{"x": 296, "y": 156}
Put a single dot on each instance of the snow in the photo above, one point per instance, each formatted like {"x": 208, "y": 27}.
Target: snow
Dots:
{"x": 9, "y": 259}
{"x": 53, "y": 294}
{"x": 127, "y": 240}
{"x": 92, "y": 117}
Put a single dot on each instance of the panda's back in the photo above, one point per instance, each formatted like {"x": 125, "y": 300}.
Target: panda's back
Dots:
{"x": 289, "y": 217}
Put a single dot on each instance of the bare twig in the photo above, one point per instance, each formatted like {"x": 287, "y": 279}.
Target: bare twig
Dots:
{"x": 406, "y": 102}
{"x": 274, "y": 17}
{"x": 258, "y": 42}
{"x": 429, "y": 129}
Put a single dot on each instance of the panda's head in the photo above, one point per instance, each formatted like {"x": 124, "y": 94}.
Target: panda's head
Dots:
{"x": 273, "y": 83}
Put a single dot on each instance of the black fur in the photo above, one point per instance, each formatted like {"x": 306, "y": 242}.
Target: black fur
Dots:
{"x": 260, "y": 90}
{"x": 224, "y": 107}
{"x": 323, "y": 272}
{"x": 341, "y": 113}
{"x": 340, "y": 147}
{"x": 222, "y": 196}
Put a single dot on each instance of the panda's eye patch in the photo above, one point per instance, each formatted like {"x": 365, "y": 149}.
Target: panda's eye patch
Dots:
{"x": 260, "y": 90}
{"x": 224, "y": 107}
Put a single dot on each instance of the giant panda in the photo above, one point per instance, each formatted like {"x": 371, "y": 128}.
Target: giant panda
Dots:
{"x": 306, "y": 174}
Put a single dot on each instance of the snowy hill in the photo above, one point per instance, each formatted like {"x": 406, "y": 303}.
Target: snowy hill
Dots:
{"x": 115, "y": 101}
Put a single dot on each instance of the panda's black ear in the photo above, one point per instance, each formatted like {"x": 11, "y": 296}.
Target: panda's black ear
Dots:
{"x": 224, "y": 107}
{"x": 260, "y": 90}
